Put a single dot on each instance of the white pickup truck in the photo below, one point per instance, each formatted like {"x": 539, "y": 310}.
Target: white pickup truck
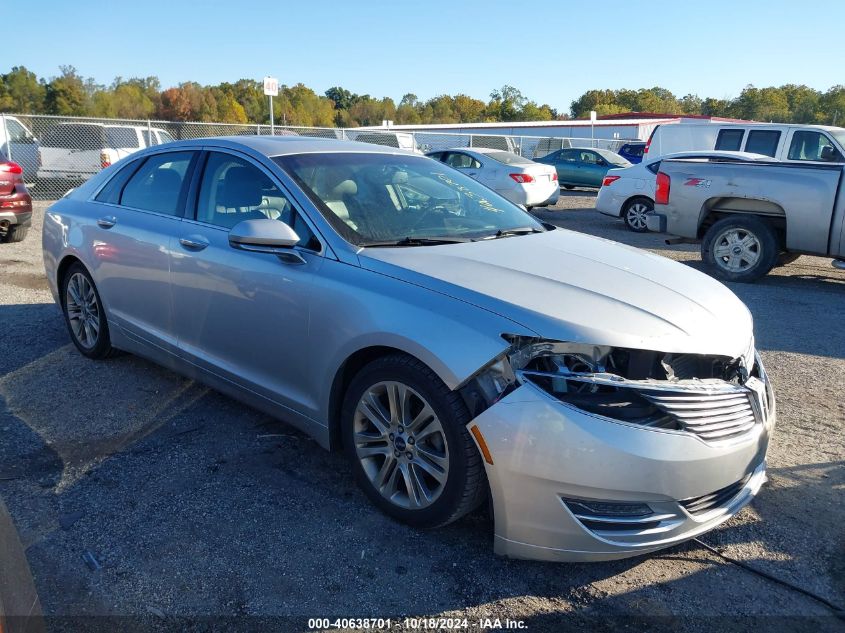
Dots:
{"x": 752, "y": 216}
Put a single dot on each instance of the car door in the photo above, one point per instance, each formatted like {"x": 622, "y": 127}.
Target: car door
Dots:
{"x": 243, "y": 316}
{"x": 566, "y": 164}
{"x": 591, "y": 168}
{"x": 138, "y": 215}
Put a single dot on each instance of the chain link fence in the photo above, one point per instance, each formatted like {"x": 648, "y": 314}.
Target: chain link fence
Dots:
{"x": 59, "y": 153}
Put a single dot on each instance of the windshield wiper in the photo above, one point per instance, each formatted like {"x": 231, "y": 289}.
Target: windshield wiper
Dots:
{"x": 524, "y": 230}
{"x": 417, "y": 241}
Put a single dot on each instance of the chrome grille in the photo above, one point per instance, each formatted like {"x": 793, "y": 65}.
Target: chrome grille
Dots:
{"x": 712, "y": 415}
{"x": 705, "y": 503}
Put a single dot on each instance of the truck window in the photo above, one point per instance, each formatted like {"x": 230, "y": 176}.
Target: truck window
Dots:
{"x": 729, "y": 140}
{"x": 808, "y": 145}
{"x": 763, "y": 142}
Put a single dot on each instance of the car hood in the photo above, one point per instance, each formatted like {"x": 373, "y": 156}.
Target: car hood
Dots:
{"x": 572, "y": 287}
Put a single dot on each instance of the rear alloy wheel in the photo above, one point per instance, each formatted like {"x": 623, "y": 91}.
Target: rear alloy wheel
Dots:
{"x": 405, "y": 434}
{"x": 740, "y": 248}
{"x": 635, "y": 213}
{"x": 84, "y": 315}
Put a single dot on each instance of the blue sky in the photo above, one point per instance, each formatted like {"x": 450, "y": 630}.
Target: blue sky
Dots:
{"x": 552, "y": 51}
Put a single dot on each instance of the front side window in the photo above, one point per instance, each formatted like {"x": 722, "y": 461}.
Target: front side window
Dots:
{"x": 809, "y": 145}
{"x": 234, "y": 189}
{"x": 17, "y": 132}
{"x": 763, "y": 142}
{"x": 730, "y": 140}
{"x": 381, "y": 198}
{"x": 165, "y": 137}
{"x": 158, "y": 185}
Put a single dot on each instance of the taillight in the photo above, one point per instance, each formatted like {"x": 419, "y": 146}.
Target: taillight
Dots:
{"x": 647, "y": 145}
{"x": 661, "y": 191}
{"x": 522, "y": 178}
{"x": 608, "y": 180}
{"x": 11, "y": 168}
{"x": 554, "y": 175}
{"x": 105, "y": 160}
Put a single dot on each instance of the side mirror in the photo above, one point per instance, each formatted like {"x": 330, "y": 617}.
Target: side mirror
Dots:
{"x": 265, "y": 236}
{"x": 829, "y": 153}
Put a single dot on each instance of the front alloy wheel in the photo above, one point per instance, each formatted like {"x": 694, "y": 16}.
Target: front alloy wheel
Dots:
{"x": 405, "y": 434}
{"x": 401, "y": 446}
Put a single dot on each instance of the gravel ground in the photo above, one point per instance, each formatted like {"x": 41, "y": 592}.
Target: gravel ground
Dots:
{"x": 195, "y": 505}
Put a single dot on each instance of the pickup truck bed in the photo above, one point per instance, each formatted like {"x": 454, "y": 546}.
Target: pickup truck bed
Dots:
{"x": 751, "y": 216}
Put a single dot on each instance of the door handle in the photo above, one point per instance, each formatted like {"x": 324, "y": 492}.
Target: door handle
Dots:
{"x": 107, "y": 222}
{"x": 193, "y": 242}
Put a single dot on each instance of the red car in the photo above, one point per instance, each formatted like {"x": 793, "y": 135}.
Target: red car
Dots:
{"x": 15, "y": 203}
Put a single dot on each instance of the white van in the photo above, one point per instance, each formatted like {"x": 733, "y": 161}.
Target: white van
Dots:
{"x": 787, "y": 143}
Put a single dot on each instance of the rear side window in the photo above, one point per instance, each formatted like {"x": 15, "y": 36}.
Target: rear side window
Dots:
{"x": 79, "y": 137}
{"x": 653, "y": 167}
{"x": 111, "y": 192}
{"x": 459, "y": 160}
{"x": 763, "y": 142}
{"x": 729, "y": 140}
{"x": 122, "y": 137}
{"x": 158, "y": 185}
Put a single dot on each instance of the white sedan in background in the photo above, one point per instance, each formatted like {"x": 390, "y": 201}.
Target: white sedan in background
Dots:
{"x": 520, "y": 180}
{"x": 628, "y": 193}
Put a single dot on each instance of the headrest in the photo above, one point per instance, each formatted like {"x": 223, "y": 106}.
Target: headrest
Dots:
{"x": 345, "y": 188}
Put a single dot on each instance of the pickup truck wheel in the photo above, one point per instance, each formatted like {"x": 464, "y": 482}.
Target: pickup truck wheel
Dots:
{"x": 740, "y": 248}
{"x": 634, "y": 213}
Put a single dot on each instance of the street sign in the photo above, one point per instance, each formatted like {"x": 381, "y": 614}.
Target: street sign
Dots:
{"x": 271, "y": 86}
{"x": 592, "y": 112}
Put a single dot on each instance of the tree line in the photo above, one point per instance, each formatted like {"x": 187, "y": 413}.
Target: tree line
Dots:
{"x": 243, "y": 101}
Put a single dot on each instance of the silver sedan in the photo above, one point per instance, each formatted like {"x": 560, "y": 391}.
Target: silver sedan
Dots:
{"x": 607, "y": 401}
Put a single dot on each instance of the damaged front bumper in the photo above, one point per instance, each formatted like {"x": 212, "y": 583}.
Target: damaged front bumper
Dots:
{"x": 574, "y": 485}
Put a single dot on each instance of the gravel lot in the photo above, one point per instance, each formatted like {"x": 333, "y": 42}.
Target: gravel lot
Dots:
{"x": 195, "y": 505}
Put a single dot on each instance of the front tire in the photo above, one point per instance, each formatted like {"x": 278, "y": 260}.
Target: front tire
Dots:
{"x": 84, "y": 314}
{"x": 405, "y": 434}
{"x": 634, "y": 214}
{"x": 740, "y": 248}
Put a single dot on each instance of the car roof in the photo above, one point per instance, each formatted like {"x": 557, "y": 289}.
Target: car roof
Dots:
{"x": 477, "y": 150}
{"x": 285, "y": 145}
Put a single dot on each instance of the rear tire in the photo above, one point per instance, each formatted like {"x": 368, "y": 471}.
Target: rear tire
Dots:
{"x": 416, "y": 462}
{"x": 634, "y": 214}
{"x": 16, "y": 233}
{"x": 740, "y": 248}
{"x": 84, "y": 314}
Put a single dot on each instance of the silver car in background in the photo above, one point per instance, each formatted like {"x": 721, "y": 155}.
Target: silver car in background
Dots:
{"x": 608, "y": 401}
{"x": 520, "y": 180}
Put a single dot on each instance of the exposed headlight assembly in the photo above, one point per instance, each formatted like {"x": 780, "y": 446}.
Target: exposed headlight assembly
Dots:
{"x": 611, "y": 382}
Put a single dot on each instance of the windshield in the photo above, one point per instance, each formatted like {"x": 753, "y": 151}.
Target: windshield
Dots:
{"x": 838, "y": 135}
{"x": 378, "y": 198}
{"x": 508, "y": 158}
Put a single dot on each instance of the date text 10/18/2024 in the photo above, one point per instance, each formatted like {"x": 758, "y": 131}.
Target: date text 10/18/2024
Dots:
{"x": 416, "y": 624}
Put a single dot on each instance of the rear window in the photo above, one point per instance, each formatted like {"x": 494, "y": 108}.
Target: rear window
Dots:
{"x": 84, "y": 137}
{"x": 122, "y": 137}
{"x": 763, "y": 142}
{"x": 634, "y": 150}
{"x": 507, "y": 158}
{"x": 729, "y": 140}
